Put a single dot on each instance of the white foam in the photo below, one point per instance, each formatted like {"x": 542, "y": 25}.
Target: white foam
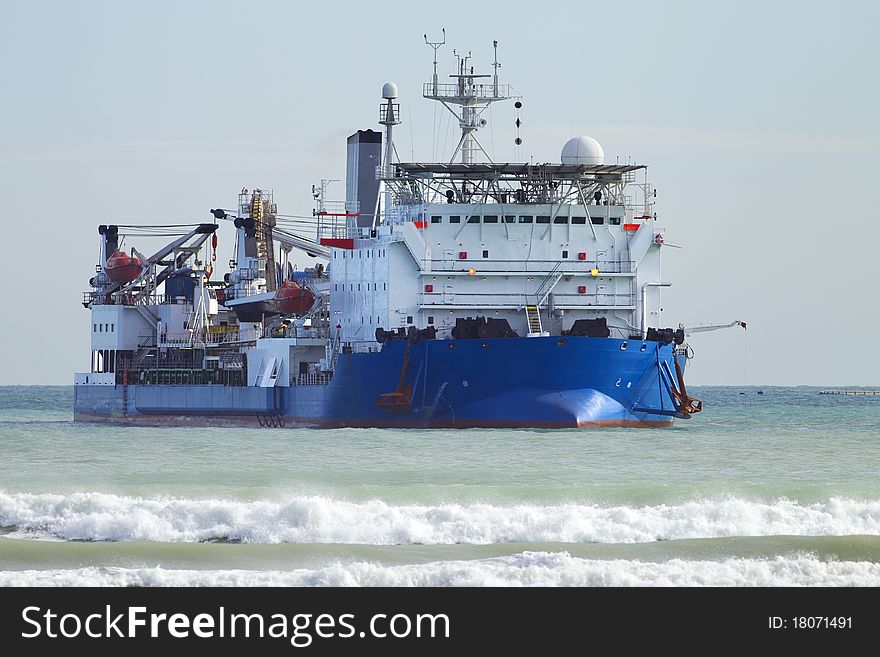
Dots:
{"x": 314, "y": 519}
{"x": 524, "y": 569}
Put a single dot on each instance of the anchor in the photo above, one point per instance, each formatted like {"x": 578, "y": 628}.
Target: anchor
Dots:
{"x": 687, "y": 405}
{"x": 401, "y": 398}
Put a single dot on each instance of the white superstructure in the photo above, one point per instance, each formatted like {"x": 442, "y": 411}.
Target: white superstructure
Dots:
{"x": 539, "y": 246}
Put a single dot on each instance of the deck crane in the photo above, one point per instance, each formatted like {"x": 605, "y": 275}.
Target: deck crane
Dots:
{"x": 284, "y": 238}
{"x": 688, "y": 330}
{"x": 687, "y": 405}
{"x": 187, "y": 245}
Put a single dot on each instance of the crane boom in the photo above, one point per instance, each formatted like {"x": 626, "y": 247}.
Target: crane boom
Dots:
{"x": 688, "y": 330}
{"x": 202, "y": 229}
{"x": 301, "y": 243}
{"x": 285, "y": 238}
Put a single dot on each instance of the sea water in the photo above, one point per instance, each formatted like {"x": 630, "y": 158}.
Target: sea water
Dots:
{"x": 779, "y": 488}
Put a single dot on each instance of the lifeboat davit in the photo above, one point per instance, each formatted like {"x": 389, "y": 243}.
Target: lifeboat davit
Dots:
{"x": 291, "y": 299}
{"x": 122, "y": 267}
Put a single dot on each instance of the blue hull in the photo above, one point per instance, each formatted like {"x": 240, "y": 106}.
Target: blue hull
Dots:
{"x": 519, "y": 382}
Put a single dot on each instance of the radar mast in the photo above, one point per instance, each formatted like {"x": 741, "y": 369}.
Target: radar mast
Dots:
{"x": 466, "y": 98}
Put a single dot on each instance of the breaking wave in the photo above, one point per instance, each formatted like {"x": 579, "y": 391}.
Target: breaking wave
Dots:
{"x": 524, "y": 569}
{"x": 315, "y": 519}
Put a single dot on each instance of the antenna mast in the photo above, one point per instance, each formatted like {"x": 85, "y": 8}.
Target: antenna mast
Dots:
{"x": 473, "y": 99}
{"x": 436, "y": 46}
{"x": 389, "y": 116}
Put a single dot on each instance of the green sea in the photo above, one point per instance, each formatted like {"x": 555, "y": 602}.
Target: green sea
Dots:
{"x": 773, "y": 489}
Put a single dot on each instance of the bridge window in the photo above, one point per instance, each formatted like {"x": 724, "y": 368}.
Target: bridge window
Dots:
{"x": 454, "y": 219}
{"x": 543, "y": 219}
{"x": 490, "y": 219}
{"x": 560, "y": 220}
{"x": 436, "y": 219}
{"x": 473, "y": 219}
{"x": 509, "y": 219}
{"x": 614, "y": 221}
{"x": 485, "y": 253}
{"x": 580, "y": 221}
{"x": 525, "y": 219}
{"x": 565, "y": 254}
{"x": 597, "y": 221}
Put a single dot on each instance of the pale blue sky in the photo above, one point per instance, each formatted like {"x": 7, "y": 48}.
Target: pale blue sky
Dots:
{"x": 758, "y": 120}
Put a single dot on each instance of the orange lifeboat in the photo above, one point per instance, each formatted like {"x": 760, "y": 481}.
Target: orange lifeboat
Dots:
{"x": 122, "y": 267}
{"x": 291, "y": 299}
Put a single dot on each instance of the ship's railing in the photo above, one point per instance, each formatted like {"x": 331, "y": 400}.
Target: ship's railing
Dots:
{"x": 319, "y": 332}
{"x": 333, "y": 220}
{"x": 537, "y": 266}
{"x": 186, "y": 376}
{"x": 312, "y": 379}
{"x": 128, "y": 299}
{"x": 162, "y": 299}
{"x": 216, "y": 335}
{"x": 519, "y": 300}
{"x": 431, "y": 90}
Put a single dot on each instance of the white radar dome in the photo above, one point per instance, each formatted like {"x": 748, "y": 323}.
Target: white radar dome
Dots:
{"x": 389, "y": 90}
{"x": 582, "y": 150}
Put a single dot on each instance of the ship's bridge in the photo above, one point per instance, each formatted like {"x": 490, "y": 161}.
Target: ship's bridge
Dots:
{"x": 540, "y": 246}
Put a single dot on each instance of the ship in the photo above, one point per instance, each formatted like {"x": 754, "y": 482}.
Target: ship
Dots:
{"x": 455, "y": 294}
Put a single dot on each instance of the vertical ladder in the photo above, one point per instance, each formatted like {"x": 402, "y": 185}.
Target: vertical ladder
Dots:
{"x": 534, "y": 319}
{"x": 264, "y": 219}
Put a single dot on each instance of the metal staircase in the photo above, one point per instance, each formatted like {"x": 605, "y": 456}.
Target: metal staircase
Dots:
{"x": 534, "y": 320}
{"x": 533, "y": 311}
{"x": 267, "y": 377}
{"x": 548, "y": 284}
